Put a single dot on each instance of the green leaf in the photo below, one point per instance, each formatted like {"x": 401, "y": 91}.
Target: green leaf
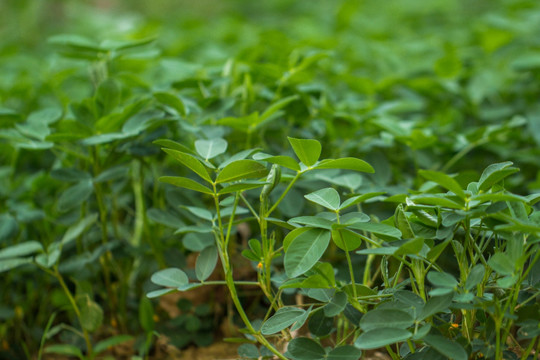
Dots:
{"x": 240, "y": 170}
{"x": 209, "y": 149}
{"x": 305, "y": 349}
{"x": 346, "y": 352}
{"x": 359, "y": 199}
{"x": 172, "y": 101}
{"x": 110, "y": 342}
{"x": 435, "y": 304}
{"x": 336, "y": 305}
{"x": 76, "y": 230}
{"x": 451, "y": 349}
{"x": 377, "y": 229}
{"x": 8, "y": 226}
{"x": 476, "y": 275}
{"x": 312, "y": 221}
{"x": 64, "y": 349}
{"x": 282, "y": 160}
{"x": 301, "y": 320}
{"x": 75, "y": 195}
{"x": 169, "y": 144}
{"x": 171, "y": 277}
{"x": 164, "y": 218}
{"x": 206, "y": 263}
{"x": 107, "y": 96}
{"x": 186, "y": 184}
{"x": 495, "y": 173}
{"x": 442, "y": 279}
{"x": 11, "y": 263}
{"x": 21, "y": 249}
{"x": 443, "y": 180}
{"x": 437, "y": 199}
{"x": 386, "y": 318}
{"x": 346, "y": 240}
{"x": 146, "y": 314}
{"x": 158, "y": 293}
{"x": 320, "y": 325}
{"x": 305, "y": 250}
{"x": 410, "y": 247}
{"x": 502, "y": 264}
{"x": 190, "y": 162}
{"x": 328, "y": 198}
{"x": 91, "y": 313}
{"x": 280, "y": 104}
{"x": 242, "y": 186}
{"x": 307, "y": 150}
{"x": 380, "y": 337}
{"x": 347, "y": 163}
{"x": 283, "y": 318}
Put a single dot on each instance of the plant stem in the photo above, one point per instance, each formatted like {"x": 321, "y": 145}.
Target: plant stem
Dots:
{"x": 297, "y": 176}
{"x": 73, "y": 303}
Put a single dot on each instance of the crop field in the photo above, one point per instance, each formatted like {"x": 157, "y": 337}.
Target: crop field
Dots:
{"x": 304, "y": 180}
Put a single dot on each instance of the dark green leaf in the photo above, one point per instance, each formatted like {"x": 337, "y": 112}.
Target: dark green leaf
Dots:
{"x": 186, "y": 184}
{"x": 451, "y": 349}
{"x": 305, "y": 349}
{"x": 191, "y": 162}
{"x": 346, "y": 352}
{"x": 380, "y": 337}
{"x": 386, "y": 318}
{"x": 443, "y": 180}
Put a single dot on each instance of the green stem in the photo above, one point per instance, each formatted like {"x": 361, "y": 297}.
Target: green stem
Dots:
{"x": 73, "y": 303}
{"x": 297, "y": 176}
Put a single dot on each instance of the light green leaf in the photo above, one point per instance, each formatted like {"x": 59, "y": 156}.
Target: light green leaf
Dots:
{"x": 186, "y": 184}
{"x": 209, "y": 149}
{"x": 347, "y": 163}
{"x": 495, "y": 173}
{"x": 240, "y": 170}
{"x": 307, "y": 150}
{"x": 380, "y": 337}
{"x": 282, "y": 160}
{"x": 443, "y": 180}
{"x": 377, "y": 229}
{"x": 502, "y": 264}
{"x": 346, "y": 240}
{"x": 171, "y": 277}
{"x": 305, "y": 349}
{"x": 376, "y": 319}
{"x": 21, "y": 249}
{"x": 305, "y": 250}
{"x": 8, "y": 264}
{"x": 206, "y": 263}
{"x": 451, "y": 349}
{"x": 64, "y": 349}
{"x": 328, "y": 198}
{"x": 283, "y": 318}
{"x": 76, "y": 230}
{"x": 437, "y": 199}
{"x": 312, "y": 221}
{"x": 166, "y": 143}
{"x": 442, "y": 279}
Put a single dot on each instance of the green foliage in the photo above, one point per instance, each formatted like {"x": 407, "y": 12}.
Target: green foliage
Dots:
{"x": 358, "y": 175}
